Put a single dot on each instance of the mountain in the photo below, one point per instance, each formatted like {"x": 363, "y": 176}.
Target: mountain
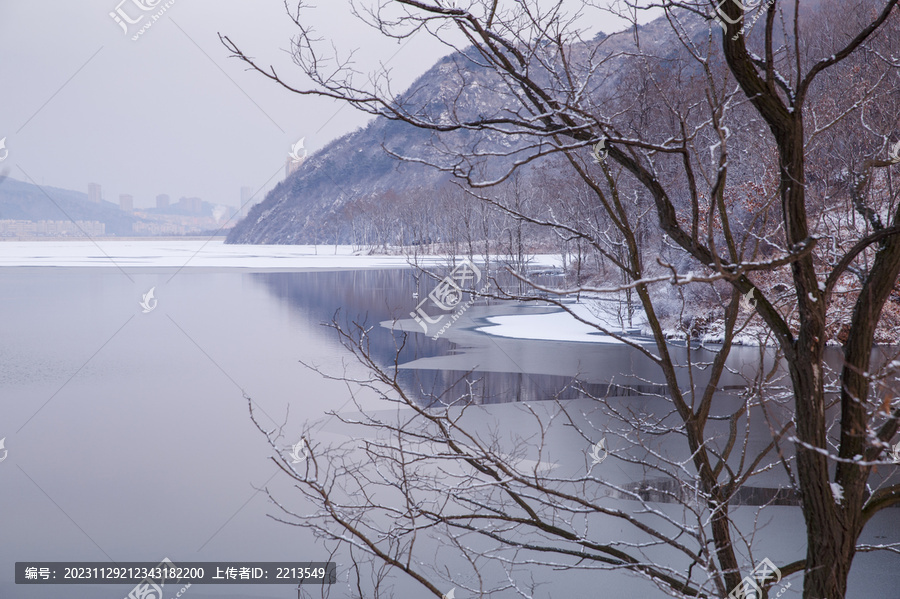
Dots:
{"x": 307, "y": 207}
{"x": 24, "y": 201}
{"x": 313, "y": 203}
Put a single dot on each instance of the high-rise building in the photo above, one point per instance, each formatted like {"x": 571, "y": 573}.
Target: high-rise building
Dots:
{"x": 94, "y": 193}
{"x": 246, "y": 197}
{"x": 162, "y": 201}
{"x": 192, "y": 205}
{"x": 126, "y": 202}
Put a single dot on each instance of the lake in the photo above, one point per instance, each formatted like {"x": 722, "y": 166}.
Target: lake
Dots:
{"x": 129, "y": 436}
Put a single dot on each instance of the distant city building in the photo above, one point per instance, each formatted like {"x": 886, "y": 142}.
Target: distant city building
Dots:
{"x": 126, "y": 202}
{"x": 161, "y": 228}
{"x": 162, "y": 201}
{"x": 246, "y": 197}
{"x": 51, "y": 228}
{"x": 192, "y": 205}
{"x": 94, "y": 193}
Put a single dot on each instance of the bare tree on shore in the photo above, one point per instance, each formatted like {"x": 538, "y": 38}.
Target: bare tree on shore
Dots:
{"x": 760, "y": 144}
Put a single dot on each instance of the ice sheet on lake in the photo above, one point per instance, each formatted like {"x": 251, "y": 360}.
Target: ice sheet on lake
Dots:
{"x": 558, "y": 326}
{"x": 196, "y": 253}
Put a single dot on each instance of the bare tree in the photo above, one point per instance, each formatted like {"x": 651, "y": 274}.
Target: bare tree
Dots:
{"x": 769, "y": 178}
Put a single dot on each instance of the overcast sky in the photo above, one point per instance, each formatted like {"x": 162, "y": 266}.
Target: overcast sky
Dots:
{"x": 171, "y": 112}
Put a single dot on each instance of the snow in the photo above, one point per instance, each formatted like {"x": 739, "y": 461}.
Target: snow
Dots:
{"x": 750, "y": 335}
{"x": 112, "y": 253}
{"x": 557, "y": 326}
{"x": 837, "y": 491}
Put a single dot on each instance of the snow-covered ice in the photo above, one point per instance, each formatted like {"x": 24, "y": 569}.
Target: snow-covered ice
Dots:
{"x": 557, "y": 326}
{"x": 189, "y": 253}
{"x": 202, "y": 253}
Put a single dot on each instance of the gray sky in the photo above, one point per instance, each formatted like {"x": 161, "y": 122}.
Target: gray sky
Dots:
{"x": 170, "y": 112}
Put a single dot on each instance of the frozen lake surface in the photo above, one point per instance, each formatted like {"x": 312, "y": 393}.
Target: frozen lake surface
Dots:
{"x": 128, "y": 431}
{"x": 201, "y": 253}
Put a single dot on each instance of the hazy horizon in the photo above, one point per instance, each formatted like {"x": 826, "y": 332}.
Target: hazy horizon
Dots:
{"x": 170, "y": 112}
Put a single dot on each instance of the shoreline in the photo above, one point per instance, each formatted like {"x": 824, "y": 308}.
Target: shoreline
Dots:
{"x": 111, "y": 238}
{"x": 208, "y": 253}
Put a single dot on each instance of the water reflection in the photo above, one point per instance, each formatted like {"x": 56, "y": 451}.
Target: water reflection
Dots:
{"x": 467, "y": 364}
{"x": 145, "y": 448}
{"x": 477, "y": 367}
{"x": 472, "y": 367}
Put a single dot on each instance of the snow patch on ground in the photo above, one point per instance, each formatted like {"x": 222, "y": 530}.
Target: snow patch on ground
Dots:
{"x": 752, "y": 335}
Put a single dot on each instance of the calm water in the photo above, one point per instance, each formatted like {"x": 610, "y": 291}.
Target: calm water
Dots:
{"x": 129, "y": 436}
